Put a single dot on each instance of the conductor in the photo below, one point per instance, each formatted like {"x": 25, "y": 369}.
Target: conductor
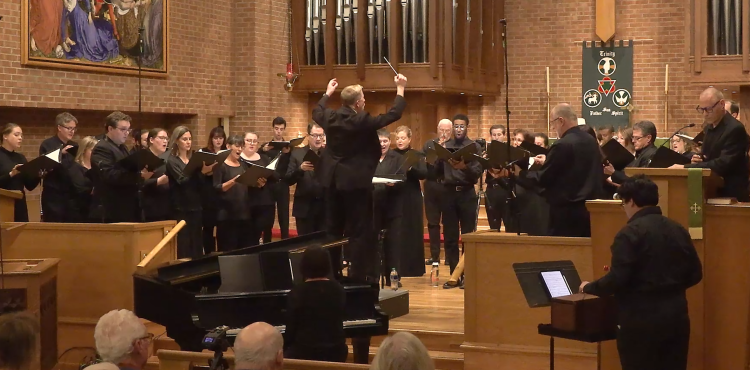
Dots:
{"x": 346, "y": 168}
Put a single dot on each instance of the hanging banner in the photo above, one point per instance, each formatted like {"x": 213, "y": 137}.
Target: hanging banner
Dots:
{"x": 607, "y": 83}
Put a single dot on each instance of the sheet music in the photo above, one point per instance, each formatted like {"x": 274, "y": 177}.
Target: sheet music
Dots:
{"x": 381, "y": 180}
{"x": 556, "y": 284}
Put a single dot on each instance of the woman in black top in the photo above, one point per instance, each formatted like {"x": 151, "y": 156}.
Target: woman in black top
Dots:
{"x": 10, "y": 178}
{"x": 233, "y": 206}
{"x": 80, "y": 177}
{"x": 184, "y": 191}
{"x": 209, "y": 197}
{"x": 155, "y": 190}
{"x": 260, "y": 198}
{"x": 316, "y": 312}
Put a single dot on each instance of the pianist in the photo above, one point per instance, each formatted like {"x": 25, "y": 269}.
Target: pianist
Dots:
{"x": 316, "y": 312}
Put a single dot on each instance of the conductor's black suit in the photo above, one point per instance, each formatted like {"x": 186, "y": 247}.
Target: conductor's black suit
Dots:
{"x": 345, "y": 171}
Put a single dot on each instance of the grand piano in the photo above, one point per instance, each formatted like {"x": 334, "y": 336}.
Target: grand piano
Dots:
{"x": 238, "y": 288}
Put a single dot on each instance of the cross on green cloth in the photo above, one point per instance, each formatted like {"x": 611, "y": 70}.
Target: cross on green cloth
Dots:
{"x": 695, "y": 202}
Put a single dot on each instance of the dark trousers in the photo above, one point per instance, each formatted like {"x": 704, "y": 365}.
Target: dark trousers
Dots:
{"x": 571, "y": 220}
{"x": 231, "y": 235}
{"x": 314, "y": 220}
{"x": 459, "y": 215}
{"x": 495, "y": 204}
{"x": 209, "y": 223}
{"x": 261, "y": 222}
{"x": 661, "y": 345}
{"x": 53, "y": 209}
{"x": 280, "y": 194}
{"x": 189, "y": 238}
{"x": 391, "y": 242}
{"x": 349, "y": 213}
{"x": 432, "y": 194}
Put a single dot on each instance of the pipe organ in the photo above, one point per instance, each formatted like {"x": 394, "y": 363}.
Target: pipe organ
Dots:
{"x": 725, "y": 26}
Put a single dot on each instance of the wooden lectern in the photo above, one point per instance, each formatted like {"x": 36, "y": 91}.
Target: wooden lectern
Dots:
{"x": 8, "y": 203}
{"x": 31, "y": 285}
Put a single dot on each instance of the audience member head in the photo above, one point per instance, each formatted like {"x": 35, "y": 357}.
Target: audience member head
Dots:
{"x": 19, "y": 333}
{"x": 403, "y": 137}
{"x": 711, "y": 105}
{"x": 385, "y": 141}
{"x": 236, "y": 144}
{"x": 541, "y": 139}
{"x": 216, "y": 139}
{"x": 497, "y": 133}
{"x": 636, "y": 193}
{"x": 251, "y": 143}
{"x": 279, "y": 125}
{"x": 85, "y": 147}
{"x": 444, "y": 130}
{"x": 66, "y": 126}
{"x": 118, "y": 127}
{"x": 316, "y": 136}
{"x": 681, "y": 145}
{"x": 644, "y": 134}
{"x": 460, "y": 126}
{"x": 181, "y": 142}
{"x": 520, "y": 135}
{"x": 315, "y": 264}
{"x": 12, "y": 137}
{"x": 402, "y": 351}
{"x": 606, "y": 132}
{"x": 733, "y": 108}
{"x": 259, "y": 346}
{"x": 353, "y": 97}
{"x": 157, "y": 139}
{"x": 625, "y": 138}
{"x": 563, "y": 118}
{"x": 122, "y": 339}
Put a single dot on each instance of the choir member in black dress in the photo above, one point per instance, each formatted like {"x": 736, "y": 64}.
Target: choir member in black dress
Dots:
{"x": 411, "y": 251}
{"x": 653, "y": 263}
{"x": 529, "y": 213}
{"x": 541, "y": 139}
{"x": 308, "y": 208}
{"x": 388, "y": 206}
{"x": 57, "y": 188}
{"x": 316, "y": 312}
{"x": 10, "y": 177}
{"x": 683, "y": 146}
{"x": 184, "y": 193}
{"x": 233, "y": 206}
{"x": 115, "y": 187}
{"x": 80, "y": 176}
{"x": 216, "y": 143}
{"x": 433, "y": 192}
{"x": 260, "y": 198}
{"x": 155, "y": 191}
{"x": 279, "y": 189}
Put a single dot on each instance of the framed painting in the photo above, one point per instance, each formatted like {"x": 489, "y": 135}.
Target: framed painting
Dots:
{"x": 110, "y": 36}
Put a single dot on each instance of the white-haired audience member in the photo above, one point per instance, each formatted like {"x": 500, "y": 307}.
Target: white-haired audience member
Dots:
{"x": 259, "y": 346}
{"x": 402, "y": 351}
{"x": 122, "y": 339}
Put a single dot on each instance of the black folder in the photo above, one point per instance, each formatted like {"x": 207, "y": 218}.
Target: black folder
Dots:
{"x": 253, "y": 173}
{"x": 497, "y": 154}
{"x": 379, "y": 179}
{"x": 534, "y": 149}
{"x": 665, "y": 157}
{"x": 311, "y": 157}
{"x": 617, "y": 155}
{"x": 464, "y": 153}
{"x": 199, "y": 157}
{"x": 45, "y": 162}
{"x": 431, "y": 156}
{"x": 141, "y": 159}
{"x": 278, "y": 145}
{"x": 698, "y": 139}
{"x": 411, "y": 157}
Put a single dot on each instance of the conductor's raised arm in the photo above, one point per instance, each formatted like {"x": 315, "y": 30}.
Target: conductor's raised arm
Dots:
{"x": 393, "y": 114}
{"x": 320, "y": 113}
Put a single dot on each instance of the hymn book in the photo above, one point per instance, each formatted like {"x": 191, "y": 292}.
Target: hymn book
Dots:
{"x": 45, "y": 162}
{"x": 617, "y": 155}
{"x": 311, "y": 157}
{"x": 141, "y": 159}
{"x": 665, "y": 157}
{"x": 463, "y": 154}
{"x": 410, "y": 159}
{"x": 278, "y": 145}
{"x": 197, "y": 159}
{"x": 533, "y": 148}
{"x": 254, "y": 172}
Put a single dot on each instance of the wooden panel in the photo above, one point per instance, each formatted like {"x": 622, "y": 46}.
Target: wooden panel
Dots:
{"x": 395, "y": 33}
{"x": 499, "y": 47}
{"x": 465, "y": 37}
{"x": 746, "y": 35}
{"x": 298, "y": 32}
{"x": 330, "y": 41}
{"x": 701, "y": 28}
{"x": 448, "y": 34}
{"x": 605, "y": 19}
{"x": 433, "y": 41}
{"x": 363, "y": 42}
{"x": 477, "y": 39}
{"x": 720, "y": 70}
{"x": 745, "y": 104}
{"x": 177, "y": 360}
{"x": 488, "y": 21}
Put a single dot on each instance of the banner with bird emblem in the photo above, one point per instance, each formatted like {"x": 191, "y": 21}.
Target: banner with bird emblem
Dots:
{"x": 607, "y": 83}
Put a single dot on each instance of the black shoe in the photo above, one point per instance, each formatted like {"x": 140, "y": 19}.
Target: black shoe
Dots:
{"x": 450, "y": 285}
{"x": 428, "y": 262}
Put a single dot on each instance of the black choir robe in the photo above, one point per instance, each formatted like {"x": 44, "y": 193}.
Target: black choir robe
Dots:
{"x": 388, "y": 212}
{"x": 57, "y": 187}
{"x": 8, "y": 160}
{"x": 411, "y": 227}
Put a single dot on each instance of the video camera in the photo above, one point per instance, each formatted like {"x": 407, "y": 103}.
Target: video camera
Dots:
{"x": 216, "y": 340}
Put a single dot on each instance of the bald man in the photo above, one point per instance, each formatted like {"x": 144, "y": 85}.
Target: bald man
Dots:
{"x": 571, "y": 174}
{"x": 725, "y": 146}
{"x": 259, "y": 346}
{"x": 433, "y": 191}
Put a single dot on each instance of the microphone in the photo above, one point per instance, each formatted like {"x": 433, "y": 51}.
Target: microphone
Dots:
{"x": 675, "y": 133}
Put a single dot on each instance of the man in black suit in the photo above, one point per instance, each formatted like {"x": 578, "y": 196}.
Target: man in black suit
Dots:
{"x": 57, "y": 187}
{"x": 346, "y": 169}
{"x": 280, "y": 189}
{"x": 308, "y": 208}
{"x": 644, "y": 134}
{"x": 724, "y": 148}
{"x": 115, "y": 187}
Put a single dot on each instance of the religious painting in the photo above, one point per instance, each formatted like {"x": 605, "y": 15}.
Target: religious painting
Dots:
{"x": 96, "y": 35}
{"x": 607, "y": 83}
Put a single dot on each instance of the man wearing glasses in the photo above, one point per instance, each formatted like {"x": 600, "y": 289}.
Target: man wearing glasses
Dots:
{"x": 115, "y": 187}
{"x": 122, "y": 339}
{"x": 433, "y": 192}
{"x": 57, "y": 187}
{"x": 724, "y": 148}
{"x": 644, "y": 134}
{"x": 308, "y": 208}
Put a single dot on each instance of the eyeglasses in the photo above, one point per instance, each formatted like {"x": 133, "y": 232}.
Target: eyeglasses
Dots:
{"x": 251, "y": 141}
{"x": 148, "y": 337}
{"x": 707, "y": 110}
{"x": 636, "y": 138}
{"x": 162, "y": 138}
{"x": 125, "y": 130}
{"x": 554, "y": 119}
{"x": 71, "y": 129}
{"x": 314, "y": 136}
{"x": 459, "y": 127}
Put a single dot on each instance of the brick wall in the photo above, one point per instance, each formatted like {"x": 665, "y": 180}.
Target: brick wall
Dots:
{"x": 544, "y": 34}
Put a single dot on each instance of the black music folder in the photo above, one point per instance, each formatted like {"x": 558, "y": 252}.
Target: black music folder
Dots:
{"x": 665, "y": 157}
{"x": 617, "y": 155}
{"x": 45, "y": 162}
{"x": 497, "y": 154}
{"x": 534, "y": 149}
{"x": 388, "y": 179}
{"x": 311, "y": 157}
{"x": 431, "y": 156}
{"x": 698, "y": 139}
{"x": 141, "y": 159}
{"x": 278, "y": 145}
{"x": 253, "y": 173}
{"x": 464, "y": 153}
{"x": 411, "y": 157}
{"x": 542, "y": 281}
{"x": 198, "y": 158}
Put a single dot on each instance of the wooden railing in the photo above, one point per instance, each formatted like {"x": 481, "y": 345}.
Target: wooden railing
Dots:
{"x": 164, "y": 252}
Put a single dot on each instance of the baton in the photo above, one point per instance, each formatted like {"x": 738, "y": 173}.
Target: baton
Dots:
{"x": 389, "y": 64}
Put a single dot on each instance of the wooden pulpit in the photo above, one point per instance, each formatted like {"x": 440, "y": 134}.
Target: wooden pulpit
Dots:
{"x": 8, "y": 204}
{"x": 31, "y": 285}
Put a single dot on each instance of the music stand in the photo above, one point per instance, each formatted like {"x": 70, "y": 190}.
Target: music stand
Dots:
{"x": 537, "y": 293}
